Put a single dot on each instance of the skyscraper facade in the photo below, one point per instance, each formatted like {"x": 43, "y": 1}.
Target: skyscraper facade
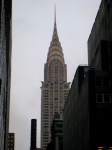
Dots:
{"x": 55, "y": 88}
{"x": 5, "y": 70}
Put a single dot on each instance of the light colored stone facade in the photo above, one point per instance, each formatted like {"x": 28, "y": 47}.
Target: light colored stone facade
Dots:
{"x": 54, "y": 90}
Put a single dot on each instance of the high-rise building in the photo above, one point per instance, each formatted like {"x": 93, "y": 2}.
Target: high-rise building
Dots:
{"x": 87, "y": 116}
{"x": 11, "y": 141}
{"x": 5, "y": 70}
{"x": 54, "y": 90}
{"x": 33, "y": 134}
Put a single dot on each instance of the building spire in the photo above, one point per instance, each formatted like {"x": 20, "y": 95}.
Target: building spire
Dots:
{"x": 55, "y": 15}
{"x": 55, "y": 39}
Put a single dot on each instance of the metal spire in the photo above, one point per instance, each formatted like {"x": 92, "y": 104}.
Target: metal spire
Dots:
{"x": 55, "y": 39}
{"x": 55, "y": 15}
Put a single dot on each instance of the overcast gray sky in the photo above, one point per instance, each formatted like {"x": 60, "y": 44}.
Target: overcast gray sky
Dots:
{"x": 32, "y": 29}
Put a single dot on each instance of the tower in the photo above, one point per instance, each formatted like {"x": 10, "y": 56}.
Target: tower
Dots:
{"x": 33, "y": 134}
{"x": 55, "y": 88}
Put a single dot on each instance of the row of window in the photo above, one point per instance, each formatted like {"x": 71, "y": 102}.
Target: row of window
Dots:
{"x": 103, "y": 98}
{"x": 103, "y": 148}
{"x": 102, "y": 81}
{"x": 45, "y": 141}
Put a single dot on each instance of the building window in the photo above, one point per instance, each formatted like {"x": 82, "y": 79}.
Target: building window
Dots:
{"x": 100, "y": 148}
{"x": 107, "y": 98}
{"x": 103, "y": 98}
{"x": 99, "y": 98}
{"x": 102, "y": 81}
{"x": 103, "y": 148}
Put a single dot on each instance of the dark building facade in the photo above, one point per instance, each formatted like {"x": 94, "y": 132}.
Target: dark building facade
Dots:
{"x": 87, "y": 118}
{"x": 75, "y": 115}
{"x": 88, "y": 110}
{"x": 33, "y": 134}
{"x": 101, "y": 30}
{"x": 56, "y": 142}
{"x": 11, "y": 141}
{"x": 5, "y": 70}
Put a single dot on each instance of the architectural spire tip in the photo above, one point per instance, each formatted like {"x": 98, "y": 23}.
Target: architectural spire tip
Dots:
{"x": 55, "y": 14}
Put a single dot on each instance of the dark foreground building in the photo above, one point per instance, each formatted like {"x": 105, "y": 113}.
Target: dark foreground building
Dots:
{"x": 88, "y": 109}
{"x": 56, "y": 142}
{"x": 33, "y": 134}
{"x": 5, "y": 70}
{"x": 11, "y": 141}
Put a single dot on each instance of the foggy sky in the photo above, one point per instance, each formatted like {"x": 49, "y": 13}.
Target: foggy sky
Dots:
{"x": 32, "y": 29}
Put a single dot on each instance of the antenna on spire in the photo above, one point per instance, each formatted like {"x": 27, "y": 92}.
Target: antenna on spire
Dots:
{"x": 55, "y": 15}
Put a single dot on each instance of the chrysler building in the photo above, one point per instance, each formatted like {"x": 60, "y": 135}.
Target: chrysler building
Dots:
{"x": 54, "y": 90}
